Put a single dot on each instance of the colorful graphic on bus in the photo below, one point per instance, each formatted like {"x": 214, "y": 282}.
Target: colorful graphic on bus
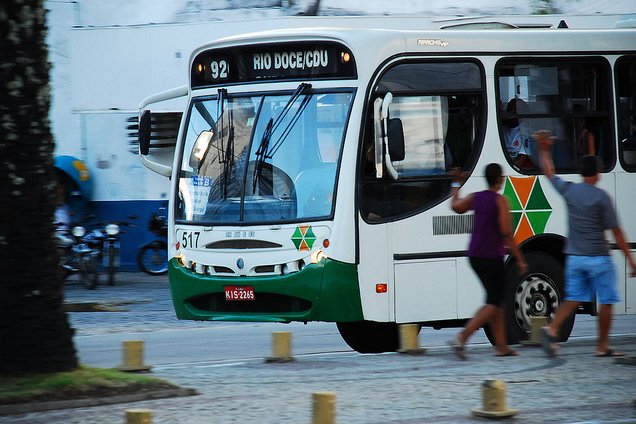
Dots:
{"x": 303, "y": 237}
{"x": 529, "y": 207}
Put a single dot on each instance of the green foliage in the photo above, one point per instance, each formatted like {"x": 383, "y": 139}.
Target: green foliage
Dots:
{"x": 81, "y": 383}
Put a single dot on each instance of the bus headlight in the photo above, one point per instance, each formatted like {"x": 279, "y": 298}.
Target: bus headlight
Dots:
{"x": 289, "y": 268}
{"x": 317, "y": 256}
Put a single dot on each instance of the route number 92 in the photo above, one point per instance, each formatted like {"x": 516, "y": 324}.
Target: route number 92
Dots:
{"x": 190, "y": 239}
{"x": 219, "y": 69}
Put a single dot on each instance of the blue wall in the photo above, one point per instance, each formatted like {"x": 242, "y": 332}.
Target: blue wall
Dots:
{"x": 135, "y": 234}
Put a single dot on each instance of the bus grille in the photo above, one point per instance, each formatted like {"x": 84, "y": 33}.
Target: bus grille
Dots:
{"x": 263, "y": 303}
{"x": 453, "y": 224}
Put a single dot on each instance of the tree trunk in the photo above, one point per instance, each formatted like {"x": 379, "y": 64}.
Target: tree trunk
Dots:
{"x": 35, "y": 335}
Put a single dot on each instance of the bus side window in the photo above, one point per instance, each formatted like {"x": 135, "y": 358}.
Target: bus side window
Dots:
{"x": 440, "y": 105}
{"x": 571, "y": 97}
{"x": 626, "y": 99}
{"x": 458, "y": 143}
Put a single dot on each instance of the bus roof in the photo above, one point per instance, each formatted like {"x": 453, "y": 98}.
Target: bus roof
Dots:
{"x": 404, "y": 35}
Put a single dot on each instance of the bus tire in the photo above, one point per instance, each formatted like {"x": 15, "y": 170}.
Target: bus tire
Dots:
{"x": 537, "y": 293}
{"x": 370, "y": 336}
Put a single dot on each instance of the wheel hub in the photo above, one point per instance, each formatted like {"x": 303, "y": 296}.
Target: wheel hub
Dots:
{"x": 536, "y": 296}
{"x": 538, "y": 304}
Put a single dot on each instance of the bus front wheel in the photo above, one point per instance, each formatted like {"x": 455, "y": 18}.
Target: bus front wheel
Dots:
{"x": 370, "y": 336}
{"x": 538, "y": 293}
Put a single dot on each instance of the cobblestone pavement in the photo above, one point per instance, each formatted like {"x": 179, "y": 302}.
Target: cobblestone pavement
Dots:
{"x": 370, "y": 389}
{"x": 146, "y": 299}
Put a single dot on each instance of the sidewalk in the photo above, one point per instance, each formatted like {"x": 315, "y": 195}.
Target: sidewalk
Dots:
{"x": 390, "y": 388}
{"x": 128, "y": 286}
{"x": 146, "y": 297}
{"x": 387, "y": 388}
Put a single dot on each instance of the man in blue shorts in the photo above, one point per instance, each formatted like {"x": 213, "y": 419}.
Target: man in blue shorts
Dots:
{"x": 589, "y": 269}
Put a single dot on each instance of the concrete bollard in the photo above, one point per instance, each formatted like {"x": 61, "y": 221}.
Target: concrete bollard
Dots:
{"x": 138, "y": 416}
{"x": 281, "y": 347}
{"x": 409, "y": 343}
{"x": 494, "y": 401}
{"x": 133, "y": 357}
{"x": 535, "y": 326}
{"x": 324, "y": 408}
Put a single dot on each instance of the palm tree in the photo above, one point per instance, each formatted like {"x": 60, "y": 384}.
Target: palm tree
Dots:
{"x": 35, "y": 335}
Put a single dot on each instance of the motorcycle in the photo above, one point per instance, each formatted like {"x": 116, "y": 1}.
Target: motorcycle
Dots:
{"x": 152, "y": 257}
{"x": 77, "y": 257}
{"x": 106, "y": 241}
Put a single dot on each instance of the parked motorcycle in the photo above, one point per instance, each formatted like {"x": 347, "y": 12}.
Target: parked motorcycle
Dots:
{"x": 106, "y": 240}
{"x": 77, "y": 257}
{"x": 152, "y": 257}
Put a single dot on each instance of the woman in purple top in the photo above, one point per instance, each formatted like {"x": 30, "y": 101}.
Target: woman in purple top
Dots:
{"x": 492, "y": 232}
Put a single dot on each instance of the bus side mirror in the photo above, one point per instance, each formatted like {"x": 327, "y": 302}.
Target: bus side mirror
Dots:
{"x": 377, "y": 137}
{"x": 388, "y": 99}
{"x": 144, "y": 132}
{"x": 395, "y": 134}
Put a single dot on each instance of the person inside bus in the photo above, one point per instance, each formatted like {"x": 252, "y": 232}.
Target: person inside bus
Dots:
{"x": 492, "y": 232}
{"x": 238, "y": 128}
{"x": 629, "y": 142}
{"x": 226, "y": 156}
{"x": 585, "y": 140}
{"x": 517, "y": 143}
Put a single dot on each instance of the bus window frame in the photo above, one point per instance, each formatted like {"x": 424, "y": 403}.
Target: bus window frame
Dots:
{"x": 620, "y": 138}
{"x": 565, "y": 116}
{"x": 352, "y": 90}
{"x": 480, "y": 117}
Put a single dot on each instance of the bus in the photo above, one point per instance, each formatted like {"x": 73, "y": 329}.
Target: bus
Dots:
{"x": 310, "y": 171}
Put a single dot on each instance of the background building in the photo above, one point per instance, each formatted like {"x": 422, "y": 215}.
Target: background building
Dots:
{"x": 108, "y": 56}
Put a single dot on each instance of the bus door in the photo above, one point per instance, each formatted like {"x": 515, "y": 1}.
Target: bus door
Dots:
{"x": 393, "y": 252}
{"x": 425, "y": 117}
{"x": 417, "y": 288}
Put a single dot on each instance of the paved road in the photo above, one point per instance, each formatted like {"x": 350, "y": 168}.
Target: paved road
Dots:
{"x": 238, "y": 386}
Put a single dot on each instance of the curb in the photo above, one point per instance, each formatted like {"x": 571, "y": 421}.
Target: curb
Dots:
{"x": 91, "y": 307}
{"x": 23, "y": 408}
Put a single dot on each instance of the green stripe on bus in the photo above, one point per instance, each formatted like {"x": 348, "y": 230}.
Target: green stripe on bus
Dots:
{"x": 330, "y": 286}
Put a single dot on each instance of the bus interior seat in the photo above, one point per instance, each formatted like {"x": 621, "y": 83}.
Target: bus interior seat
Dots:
{"x": 311, "y": 192}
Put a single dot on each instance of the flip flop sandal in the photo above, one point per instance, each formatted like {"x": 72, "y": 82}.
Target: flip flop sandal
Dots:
{"x": 547, "y": 342}
{"x": 609, "y": 353}
{"x": 509, "y": 353}
{"x": 458, "y": 348}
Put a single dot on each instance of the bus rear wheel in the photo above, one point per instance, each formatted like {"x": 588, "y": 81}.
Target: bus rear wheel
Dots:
{"x": 370, "y": 336}
{"x": 538, "y": 293}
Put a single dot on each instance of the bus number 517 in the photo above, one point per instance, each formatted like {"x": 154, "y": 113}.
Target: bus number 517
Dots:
{"x": 190, "y": 239}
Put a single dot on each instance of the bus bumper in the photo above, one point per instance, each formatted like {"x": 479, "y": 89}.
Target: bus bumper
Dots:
{"x": 326, "y": 291}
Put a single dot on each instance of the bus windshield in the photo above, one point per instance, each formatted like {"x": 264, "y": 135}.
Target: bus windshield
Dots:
{"x": 263, "y": 158}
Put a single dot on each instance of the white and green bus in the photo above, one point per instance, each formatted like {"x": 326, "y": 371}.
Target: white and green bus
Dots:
{"x": 310, "y": 169}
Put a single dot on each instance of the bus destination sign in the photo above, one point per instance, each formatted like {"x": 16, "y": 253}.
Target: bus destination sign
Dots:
{"x": 270, "y": 64}
{"x": 280, "y": 61}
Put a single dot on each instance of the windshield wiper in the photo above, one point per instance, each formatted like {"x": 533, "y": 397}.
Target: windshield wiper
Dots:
{"x": 225, "y": 151}
{"x": 264, "y": 152}
{"x": 228, "y": 164}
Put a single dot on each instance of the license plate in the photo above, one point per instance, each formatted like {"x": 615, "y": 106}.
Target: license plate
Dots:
{"x": 239, "y": 293}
